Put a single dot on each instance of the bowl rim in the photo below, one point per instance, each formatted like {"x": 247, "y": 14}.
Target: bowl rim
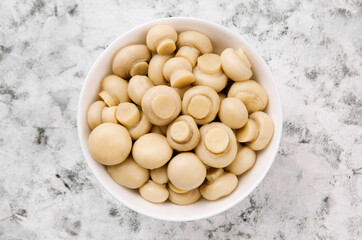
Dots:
{"x": 210, "y": 213}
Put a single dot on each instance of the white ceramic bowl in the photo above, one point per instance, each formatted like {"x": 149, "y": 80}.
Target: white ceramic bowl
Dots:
{"x": 221, "y": 38}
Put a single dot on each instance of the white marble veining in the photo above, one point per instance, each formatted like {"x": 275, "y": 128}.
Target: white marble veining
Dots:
{"x": 314, "y": 188}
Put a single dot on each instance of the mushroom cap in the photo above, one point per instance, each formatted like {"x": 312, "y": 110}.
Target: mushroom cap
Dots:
{"x": 236, "y": 65}
{"x": 128, "y": 114}
{"x": 217, "y": 81}
{"x": 131, "y": 60}
{"x": 94, "y": 114}
{"x": 155, "y": 69}
{"x": 185, "y": 171}
{"x": 108, "y": 98}
{"x": 116, "y": 87}
{"x": 140, "y": 128}
{"x": 233, "y": 113}
{"x": 162, "y": 38}
{"x": 159, "y": 175}
{"x": 183, "y": 133}
{"x": 152, "y": 151}
{"x": 202, "y": 103}
{"x": 129, "y": 174}
{"x": 190, "y": 53}
{"x": 218, "y": 146}
{"x": 109, "y": 115}
{"x": 154, "y": 192}
{"x": 109, "y": 143}
{"x": 186, "y": 198}
{"x": 195, "y": 39}
{"x": 178, "y": 71}
{"x": 220, "y": 187}
{"x": 137, "y": 87}
{"x": 266, "y": 130}
{"x": 161, "y": 104}
{"x": 251, "y": 93}
{"x": 244, "y": 160}
{"x": 248, "y": 132}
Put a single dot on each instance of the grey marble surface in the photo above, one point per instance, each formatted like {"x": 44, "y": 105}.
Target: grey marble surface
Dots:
{"x": 314, "y": 188}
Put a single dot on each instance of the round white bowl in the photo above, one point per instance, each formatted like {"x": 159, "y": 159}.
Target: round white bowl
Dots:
{"x": 221, "y": 38}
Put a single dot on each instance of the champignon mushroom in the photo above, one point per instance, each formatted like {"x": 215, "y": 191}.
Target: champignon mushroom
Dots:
{"x": 233, "y": 113}
{"x": 202, "y": 103}
{"x": 175, "y": 189}
{"x": 131, "y": 61}
{"x": 183, "y": 133}
{"x": 128, "y": 114}
{"x": 251, "y": 93}
{"x": 94, "y": 114}
{"x": 159, "y": 175}
{"x": 162, "y": 38}
{"x": 266, "y": 129}
{"x": 140, "y": 128}
{"x": 161, "y": 104}
{"x": 178, "y": 71}
{"x": 213, "y": 173}
{"x": 236, "y": 65}
{"x": 109, "y": 143}
{"x": 109, "y": 115}
{"x": 220, "y": 187}
{"x": 129, "y": 174}
{"x": 217, "y": 81}
{"x": 152, "y": 151}
{"x": 155, "y": 69}
{"x": 248, "y": 132}
{"x": 185, "y": 171}
{"x": 114, "y": 90}
{"x": 137, "y": 87}
{"x": 154, "y": 192}
{"x": 186, "y": 198}
{"x": 218, "y": 146}
{"x": 244, "y": 160}
{"x": 190, "y": 53}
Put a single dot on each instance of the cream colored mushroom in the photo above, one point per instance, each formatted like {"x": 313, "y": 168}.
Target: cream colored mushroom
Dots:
{"x": 185, "y": 171}
{"x": 191, "y": 44}
{"x": 109, "y": 143}
{"x": 109, "y": 115}
{"x": 175, "y": 189}
{"x": 159, "y": 129}
{"x": 183, "y": 133}
{"x": 244, "y": 160}
{"x": 114, "y": 90}
{"x": 218, "y": 146}
{"x": 178, "y": 71}
{"x": 248, "y": 132}
{"x": 266, "y": 130}
{"x": 154, "y": 192}
{"x": 162, "y": 38}
{"x": 155, "y": 69}
{"x": 202, "y": 103}
{"x": 140, "y": 128}
{"x": 128, "y": 114}
{"x": 129, "y": 174}
{"x": 220, "y": 187}
{"x": 251, "y": 93}
{"x": 94, "y": 114}
{"x": 131, "y": 61}
{"x": 213, "y": 173}
{"x": 137, "y": 87}
{"x": 233, "y": 113}
{"x": 161, "y": 104}
{"x": 186, "y": 198}
{"x": 152, "y": 151}
{"x": 159, "y": 175}
{"x": 236, "y": 64}
{"x": 208, "y": 72}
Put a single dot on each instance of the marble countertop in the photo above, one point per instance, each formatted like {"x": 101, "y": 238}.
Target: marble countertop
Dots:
{"x": 314, "y": 188}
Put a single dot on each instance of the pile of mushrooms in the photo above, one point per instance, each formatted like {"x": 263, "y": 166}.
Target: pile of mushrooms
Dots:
{"x": 176, "y": 120}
